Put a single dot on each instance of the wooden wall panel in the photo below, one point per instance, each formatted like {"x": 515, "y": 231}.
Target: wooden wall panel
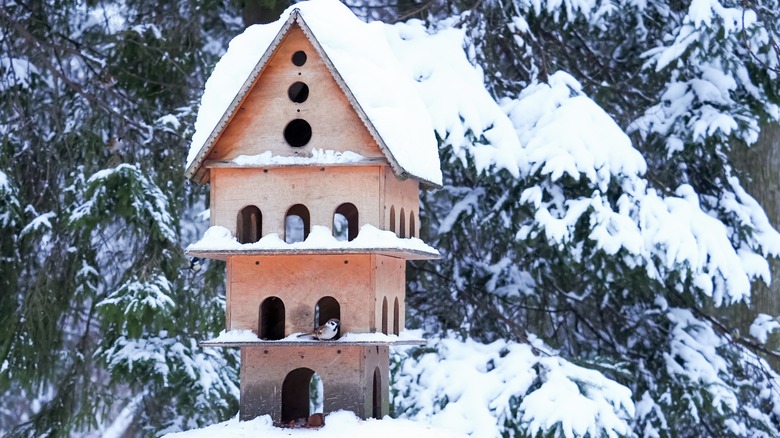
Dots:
{"x": 300, "y": 281}
{"x": 275, "y": 190}
{"x": 346, "y": 373}
{"x": 390, "y": 284}
{"x": 400, "y": 194}
{"x": 259, "y": 123}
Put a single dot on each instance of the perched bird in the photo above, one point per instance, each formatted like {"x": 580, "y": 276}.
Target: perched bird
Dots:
{"x": 327, "y": 331}
{"x": 195, "y": 264}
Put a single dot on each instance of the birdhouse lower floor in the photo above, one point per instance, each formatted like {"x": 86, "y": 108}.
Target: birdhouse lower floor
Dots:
{"x": 280, "y": 381}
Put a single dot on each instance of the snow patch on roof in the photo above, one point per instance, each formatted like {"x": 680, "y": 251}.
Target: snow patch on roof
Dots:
{"x": 362, "y": 56}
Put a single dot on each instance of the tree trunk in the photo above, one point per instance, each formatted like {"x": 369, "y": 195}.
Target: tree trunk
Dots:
{"x": 761, "y": 163}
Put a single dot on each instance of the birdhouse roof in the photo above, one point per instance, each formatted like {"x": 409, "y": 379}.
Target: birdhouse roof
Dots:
{"x": 358, "y": 56}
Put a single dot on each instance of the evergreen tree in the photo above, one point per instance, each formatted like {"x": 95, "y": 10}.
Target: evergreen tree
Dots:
{"x": 585, "y": 250}
{"x": 99, "y": 312}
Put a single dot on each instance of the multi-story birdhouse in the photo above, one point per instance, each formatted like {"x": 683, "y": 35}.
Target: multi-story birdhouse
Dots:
{"x": 315, "y": 147}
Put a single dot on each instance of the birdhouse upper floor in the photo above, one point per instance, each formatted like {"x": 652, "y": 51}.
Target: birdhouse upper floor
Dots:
{"x": 294, "y": 106}
{"x": 289, "y": 201}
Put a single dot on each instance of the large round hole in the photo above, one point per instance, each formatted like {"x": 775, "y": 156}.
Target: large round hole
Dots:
{"x": 297, "y": 133}
{"x": 299, "y": 58}
{"x": 298, "y": 92}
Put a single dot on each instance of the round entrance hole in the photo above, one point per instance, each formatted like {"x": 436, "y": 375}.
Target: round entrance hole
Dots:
{"x": 297, "y": 133}
{"x": 299, "y": 58}
{"x": 298, "y": 92}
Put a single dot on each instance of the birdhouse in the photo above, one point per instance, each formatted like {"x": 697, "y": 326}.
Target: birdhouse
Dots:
{"x": 315, "y": 147}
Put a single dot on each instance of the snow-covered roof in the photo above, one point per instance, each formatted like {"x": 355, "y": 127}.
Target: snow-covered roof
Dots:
{"x": 361, "y": 61}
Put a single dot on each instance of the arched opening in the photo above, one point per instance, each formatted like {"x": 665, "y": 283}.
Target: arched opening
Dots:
{"x": 392, "y": 218}
{"x": 412, "y": 225}
{"x": 298, "y": 399}
{"x": 345, "y": 222}
{"x": 271, "y": 319}
{"x": 396, "y": 317}
{"x": 296, "y": 224}
{"x": 316, "y": 395}
{"x": 327, "y": 308}
{"x": 250, "y": 224}
{"x": 402, "y": 225}
{"x": 377, "y": 399}
{"x": 384, "y": 315}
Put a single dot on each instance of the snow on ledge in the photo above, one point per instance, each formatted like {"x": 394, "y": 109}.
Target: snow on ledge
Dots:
{"x": 249, "y": 337}
{"x": 318, "y": 156}
{"x": 337, "y": 425}
{"x": 218, "y": 238}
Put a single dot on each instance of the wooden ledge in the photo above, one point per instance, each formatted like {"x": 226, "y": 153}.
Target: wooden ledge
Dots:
{"x": 399, "y": 253}
{"x": 230, "y": 164}
{"x": 313, "y": 343}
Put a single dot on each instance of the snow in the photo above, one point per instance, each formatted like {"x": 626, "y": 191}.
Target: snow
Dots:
{"x": 693, "y": 355}
{"x": 16, "y": 72}
{"x": 563, "y": 132}
{"x": 361, "y": 55}
{"x": 318, "y": 156}
{"x": 763, "y": 326}
{"x": 482, "y": 388}
{"x": 453, "y": 90}
{"x": 248, "y": 336}
{"x": 369, "y": 237}
{"x": 42, "y": 221}
{"x": 337, "y": 424}
{"x": 235, "y": 336}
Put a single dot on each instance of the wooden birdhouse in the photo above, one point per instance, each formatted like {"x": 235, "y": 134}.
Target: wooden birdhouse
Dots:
{"x": 315, "y": 147}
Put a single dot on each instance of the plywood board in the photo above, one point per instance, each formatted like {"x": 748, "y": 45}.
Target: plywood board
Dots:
{"x": 321, "y": 189}
{"x": 259, "y": 122}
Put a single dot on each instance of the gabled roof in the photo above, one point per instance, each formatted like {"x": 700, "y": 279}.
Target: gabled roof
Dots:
{"x": 361, "y": 62}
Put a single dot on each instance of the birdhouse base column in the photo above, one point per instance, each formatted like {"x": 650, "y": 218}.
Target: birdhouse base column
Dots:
{"x": 275, "y": 380}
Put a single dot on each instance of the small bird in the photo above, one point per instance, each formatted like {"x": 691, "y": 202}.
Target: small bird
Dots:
{"x": 195, "y": 264}
{"x": 325, "y": 332}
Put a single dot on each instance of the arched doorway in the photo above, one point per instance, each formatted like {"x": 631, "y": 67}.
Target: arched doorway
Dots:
{"x": 249, "y": 228}
{"x": 271, "y": 319}
{"x": 384, "y": 315}
{"x": 297, "y": 224}
{"x": 345, "y": 222}
{"x": 377, "y": 398}
{"x": 396, "y": 317}
{"x": 325, "y": 309}
{"x": 302, "y": 395}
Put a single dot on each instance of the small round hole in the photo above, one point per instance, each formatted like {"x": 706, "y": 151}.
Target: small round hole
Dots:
{"x": 297, "y": 133}
{"x": 298, "y": 92}
{"x": 299, "y": 58}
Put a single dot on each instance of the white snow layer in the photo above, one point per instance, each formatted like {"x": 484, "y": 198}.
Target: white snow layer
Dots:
{"x": 362, "y": 56}
{"x": 464, "y": 114}
{"x": 478, "y": 388}
{"x": 318, "y": 156}
{"x": 246, "y": 336}
{"x": 763, "y": 326}
{"x": 218, "y": 238}
{"x": 337, "y": 425}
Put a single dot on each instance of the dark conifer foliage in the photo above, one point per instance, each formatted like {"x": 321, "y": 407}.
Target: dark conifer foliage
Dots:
{"x": 98, "y": 311}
